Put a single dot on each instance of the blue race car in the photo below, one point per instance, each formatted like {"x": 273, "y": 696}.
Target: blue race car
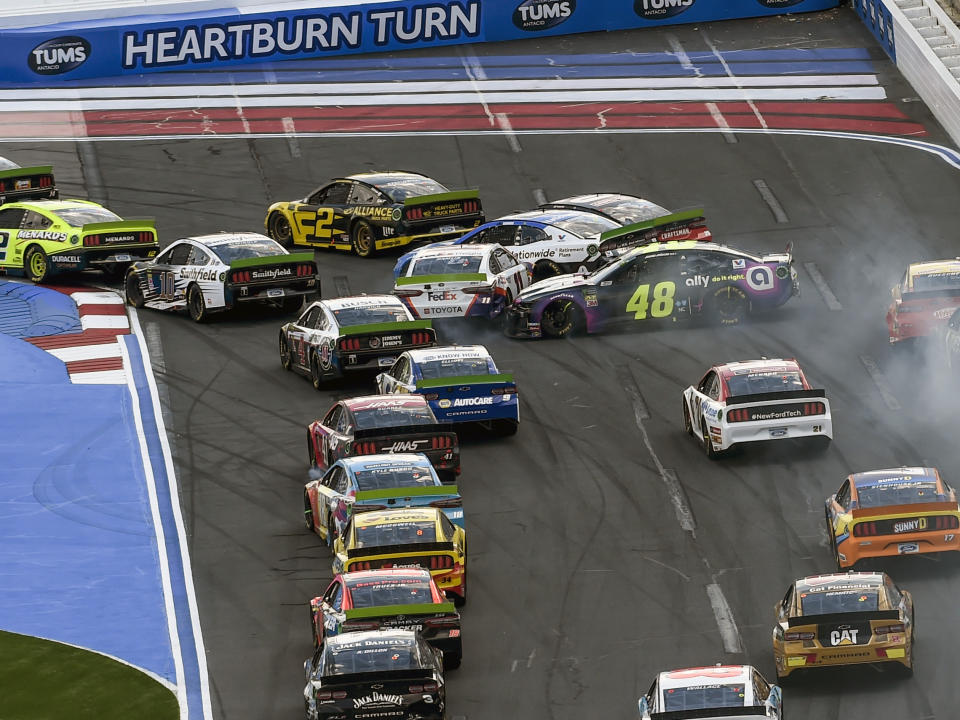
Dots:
{"x": 461, "y": 383}
{"x": 375, "y": 482}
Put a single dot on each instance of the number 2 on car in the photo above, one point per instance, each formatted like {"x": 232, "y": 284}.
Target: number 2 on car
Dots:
{"x": 662, "y": 305}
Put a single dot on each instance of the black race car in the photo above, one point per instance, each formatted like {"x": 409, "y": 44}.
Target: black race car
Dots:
{"x": 383, "y": 424}
{"x": 26, "y": 183}
{"x": 373, "y": 211}
{"x": 375, "y": 674}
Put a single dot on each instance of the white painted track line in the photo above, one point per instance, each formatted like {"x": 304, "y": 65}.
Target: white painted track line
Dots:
{"x": 86, "y": 352}
{"x": 104, "y": 321}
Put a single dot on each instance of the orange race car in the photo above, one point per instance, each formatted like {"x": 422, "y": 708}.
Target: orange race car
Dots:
{"x": 925, "y": 297}
{"x": 899, "y": 511}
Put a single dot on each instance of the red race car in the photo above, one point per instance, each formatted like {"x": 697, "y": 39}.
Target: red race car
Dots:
{"x": 383, "y": 424}
{"x": 925, "y": 297}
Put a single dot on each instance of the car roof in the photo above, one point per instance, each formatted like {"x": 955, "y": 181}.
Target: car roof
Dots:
{"x": 452, "y": 251}
{"x": 933, "y": 267}
{"x": 899, "y": 476}
{"x": 839, "y": 581}
{"x": 372, "y": 402}
{"x": 354, "y": 578}
{"x": 225, "y": 238}
{"x": 399, "y": 460}
{"x": 374, "y": 177}
{"x": 708, "y": 675}
{"x": 363, "y": 301}
{"x": 388, "y": 517}
{"x": 448, "y": 352}
{"x": 551, "y": 216}
{"x": 54, "y": 205}
{"x": 745, "y": 367}
{"x": 598, "y": 199}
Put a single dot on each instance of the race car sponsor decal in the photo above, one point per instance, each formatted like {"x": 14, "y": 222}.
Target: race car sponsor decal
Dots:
{"x": 844, "y": 637}
{"x": 113, "y": 239}
{"x": 535, "y": 254}
{"x": 443, "y": 295}
{"x": 42, "y": 235}
{"x": 660, "y": 9}
{"x": 406, "y": 446}
{"x": 590, "y": 297}
{"x": 67, "y": 259}
{"x": 376, "y": 699}
{"x": 452, "y": 310}
{"x": 369, "y": 211}
{"x": 698, "y": 281}
{"x": 760, "y": 278}
{"x": 272, "y": 273}
{"x": 914, "y": 525}
{"x": 326, "y": 354}
{"x": 388, "y": 341}
{"x": 463, "y": 402}
{"x": 374, "y": 404}
{"x": 739, "y": 264}
{"x": 198, "y": 274}
{"x": 779, "y": 3}
{"x": 733, "y": 277}
{"x": 532, "y": 15}
{"x": 58, "y": 55}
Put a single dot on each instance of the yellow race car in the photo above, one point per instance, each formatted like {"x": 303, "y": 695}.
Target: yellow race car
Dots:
{"x": 405, "y": 538}
{"x": 843, "y": 619}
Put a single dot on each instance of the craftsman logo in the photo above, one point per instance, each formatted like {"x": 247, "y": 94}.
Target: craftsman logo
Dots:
{"x": 463, "y": 402}
{"x": 405, "y": 446}
{"x": 376, "y": 699}
{"x": 843, "y": 637}
{"x": 535, "y": 15}
{"x": 910, "y": 525}
{"x": 660, "y": 9}
{"x": 779, "y": 3}
{"x": 59, "y": 55}
{"x": 272, "y": 273}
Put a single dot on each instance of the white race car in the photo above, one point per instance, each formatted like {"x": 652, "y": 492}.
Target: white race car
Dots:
{"x": 461, "y": 281}
{"x": 212, "y": 273}
{"x": 716, "y": 691}
{"x": 755, "y": 400}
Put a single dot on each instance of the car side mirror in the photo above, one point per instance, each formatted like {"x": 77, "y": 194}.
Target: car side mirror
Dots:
{"x": 381, "y": 379}
{"x": 308, "y": 668}
{"x": 642, "y": 706}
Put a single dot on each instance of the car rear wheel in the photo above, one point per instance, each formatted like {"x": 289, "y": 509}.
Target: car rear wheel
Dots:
{"x": 37, "y": 265}
{"x": 291, "y": 304}
{"x": 196, "y": 305}
{"x": 728, "y": 306}
{"x": 311, "y": 450}
{"x": 560, "y": 319}
{"x": 285, "y": 357}
{"x": 707, "y": 445}
{"x": 363, "y": 241}
{"x": 280, "y": 229}
{"x": 331, "y": 531}
{"x": 505, "y": 428}
{"x": 133, "y": 291}
{"x": 831, "y": 538}
{"x": 316, "y": 374}
{"x": 307, "y": 512}
{"x": 546, "y": 269}
{"x": 451, "y": 661}
{"x": 687, "y": 424}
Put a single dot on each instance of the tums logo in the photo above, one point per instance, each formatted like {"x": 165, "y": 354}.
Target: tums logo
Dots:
{"x": 59, "y": 55}
{"x": 660, "y": 9}
{"x": 533, "y": 15}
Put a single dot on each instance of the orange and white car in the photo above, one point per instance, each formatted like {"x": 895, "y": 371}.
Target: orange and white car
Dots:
{"x": 898, "y": 511}
{"x": 924, "y": 298}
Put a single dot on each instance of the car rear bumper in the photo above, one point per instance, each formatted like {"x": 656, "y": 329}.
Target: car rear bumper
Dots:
{"x": 789, "y": 662}
{"x": 80, "y": 258}
{"x": 854, "y": 549}
{"x": 757, "y": 431}
{"x": 517, "y": 323}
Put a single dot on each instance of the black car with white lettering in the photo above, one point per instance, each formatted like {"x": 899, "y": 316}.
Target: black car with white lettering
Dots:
{"x": 383, "y": 424}
{"x": 26, "y": 183}
{"x": 373, "y": 211}
{"x": 333, "y": 338}
{"x": 390, "y": 674}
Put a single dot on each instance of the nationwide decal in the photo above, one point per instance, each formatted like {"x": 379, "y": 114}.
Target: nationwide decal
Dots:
{"x": 58, "y": 55}
{"x": 42, "y": 235}
{"x": 463, "y": 402}
{"x": 660, "y": 9}
{"x": 272, "y": 273}
{"x": 533, "y": 15}
{"x": 534, "y": 254}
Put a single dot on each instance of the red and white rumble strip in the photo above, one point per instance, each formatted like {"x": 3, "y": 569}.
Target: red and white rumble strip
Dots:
{"x": 93, "y": 355}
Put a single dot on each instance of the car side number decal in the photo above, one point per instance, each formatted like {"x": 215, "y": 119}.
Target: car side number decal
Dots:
{"x": 662, "y": 300}
{"x": 168, "y": 285}
{"x": 324, "y": 221}
{"x": 4, "y": 239}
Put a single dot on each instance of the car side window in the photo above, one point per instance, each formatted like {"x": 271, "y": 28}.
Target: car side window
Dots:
{"x": 761, "y": 690}
{"x": 700, "y": 263}
{"x": 179, "y": 254}
{"x": 707, "y": 382}
{"x": 35, "y": 221}
{"x": 330, "y": 592}
{"x": 309, "y": 318}
{"x": 333, "y": 416}
{"x": 361, "y": 194}
{"x": 495, "y": 268}
{"x": 330, "y": 478}
{"x": 448, "y": 530}
{"x": 11, "y": 218}
{"x": 506, "y": 260}
{"x": 843, "y": 495}
{"x": 627, "y": 274}
{"x": 399, "y": 371}
{"x": 336, "y": 601}
{"x": 343, "y": 482}
{"x": 343, "y": 422}
{"x": 787, "y": 599}
{"x": 714, "y": 390}
{"x": 529, "y": 234}
{"x": 335, "y": 194}
{"x": 893, "y": 592}
{"x": 197, "y": 256}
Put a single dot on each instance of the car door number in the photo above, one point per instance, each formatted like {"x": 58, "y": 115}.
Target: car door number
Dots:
{"x": 4, "y": 239}
{"x": 314, "y": 225}
{"x": 662, "y": 300}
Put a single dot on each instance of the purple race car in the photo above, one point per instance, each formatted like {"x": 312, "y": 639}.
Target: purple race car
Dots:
{"x": 662, "y": 280}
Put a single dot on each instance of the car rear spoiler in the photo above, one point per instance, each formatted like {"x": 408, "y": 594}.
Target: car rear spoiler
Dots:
{"x": 442, "y": 197}
{"x": 381, "y": 676}
{"x": 914, "y": 509}
{"x": 767, "y": 397}
{"x": 754, "y": 711}
{"x": 453, "y": 277}
{"x": 416, "y": 548}
{"x": 119, "y": 226}
{"x": 273, "y": 260}
{"x": 465, "y": 380}
{"x": 846, "y": 617}
{"x": 388, "y": 610}
{"x": 386, "y": 327}
{"x": 403, "y": 430}
{"x": 402, "y": 492}
{"x": 648, "y": 230}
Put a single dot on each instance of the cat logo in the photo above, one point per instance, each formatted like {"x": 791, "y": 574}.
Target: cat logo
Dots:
{"x": 843, "y": 637}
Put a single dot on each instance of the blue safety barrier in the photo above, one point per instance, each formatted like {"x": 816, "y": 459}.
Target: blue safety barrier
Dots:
{"x": 27, "y": 310}
{"x": 877, "y": 18}
{"x": 133, "y": 45}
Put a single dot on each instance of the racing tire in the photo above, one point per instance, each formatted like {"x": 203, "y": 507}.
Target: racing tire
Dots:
{"x": 707, "y": 445}
{"x": 279, "y": 229}
{"x": 36, "y": 264}
{"x": 687, "y": 423}
{"x": 331, "y": 532}
{"x": 307, "y": 514}
{"x": 820, "y": 444}
{"x": 313, "y": 629}
{"x": 561, "y": 318}
{"x": 286, "y": 360}
{"x": 546, "y": 269}
{"x": 291, "y": 304}
{"x": 363, "y": 240}
{"x": 311, "y": 451}
{"x": 196, "y": 305}
{"x": 132, "y": 290}
{"x": 316, "y": 374}
{"x": 460, "y": 599}
{"x": 728, "y": 306}
{"x": 451, "y": 661}
{"x": 505, "y": 428}
{"x": 833, "y": 541}
{"x": 114, "y": 271}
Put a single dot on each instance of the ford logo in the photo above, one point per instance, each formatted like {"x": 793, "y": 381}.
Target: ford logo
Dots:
{"x": 59, "y": 55}
{"x": 542, "y": 14}
{"x": 660, "y": 9}
{"x": 779, "y": 3}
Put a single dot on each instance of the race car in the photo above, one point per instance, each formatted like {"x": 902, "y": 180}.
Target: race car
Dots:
{"x": 48, "y": 237}
{"x": 676, "y": 279}
{"x": 715, "y": 691}
{"x": 375, "y": 482}
{"x": 948, "y": 342}
{"x": 372, "y": 211}
{"x": 406, "y": 599}
{"x": 212, "y": 273}
{"x": 843, "y": 619}
{"x": 461, "y": 383}
{"x": 18, "y": 184}
{"x": 332, "y": 338}
{"x": 898, "y": 511}
{"x": 375, "y": 674}
{"x": 411, "y": 537}
{"x": 926, "y": 296}
{"x": 461, "y": 281}
{"x": 383, "y": 424}
{"x": 754, "y": 400}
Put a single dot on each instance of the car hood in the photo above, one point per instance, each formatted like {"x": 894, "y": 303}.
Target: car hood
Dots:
{"x": 553, "y": 285}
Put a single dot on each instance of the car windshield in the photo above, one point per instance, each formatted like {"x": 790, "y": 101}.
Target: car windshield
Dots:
{"x": 937, "y": 281}
{"x": 839, "y": 601}
{"x": 384, "y": 417}
{"x": 399, "y": 189}
{"x": 630, "y": 210}
{"x": 371, "y": 656}
{"x": 447, "y": 265}
{"x": 904, "y": 493}
{"x": 764, "y": 382}
{"x": 454, "y": 367}
{"x": 585, "y": 225}
{"x": 77, "y": 216}
{"x": 395, "y": 533}
{"x": 700, "y": 697}
{"x": 369, "y": 315}
{"x": 393, "y": 477}
{"x": 390, "y": 592}
{"x": 240, "y": 249}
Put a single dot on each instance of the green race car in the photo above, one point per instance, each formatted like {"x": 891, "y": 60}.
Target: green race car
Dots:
{"x": 46, "y": 237}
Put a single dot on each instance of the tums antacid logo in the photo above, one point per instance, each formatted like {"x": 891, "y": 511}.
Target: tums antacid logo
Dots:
{"x": 660, "y": 9}
{"x": 535, "y": 15}
{"x": 59, "y": 55}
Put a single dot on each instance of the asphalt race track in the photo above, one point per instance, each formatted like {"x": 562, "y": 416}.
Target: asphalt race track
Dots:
{"x": 605, "y": 546}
